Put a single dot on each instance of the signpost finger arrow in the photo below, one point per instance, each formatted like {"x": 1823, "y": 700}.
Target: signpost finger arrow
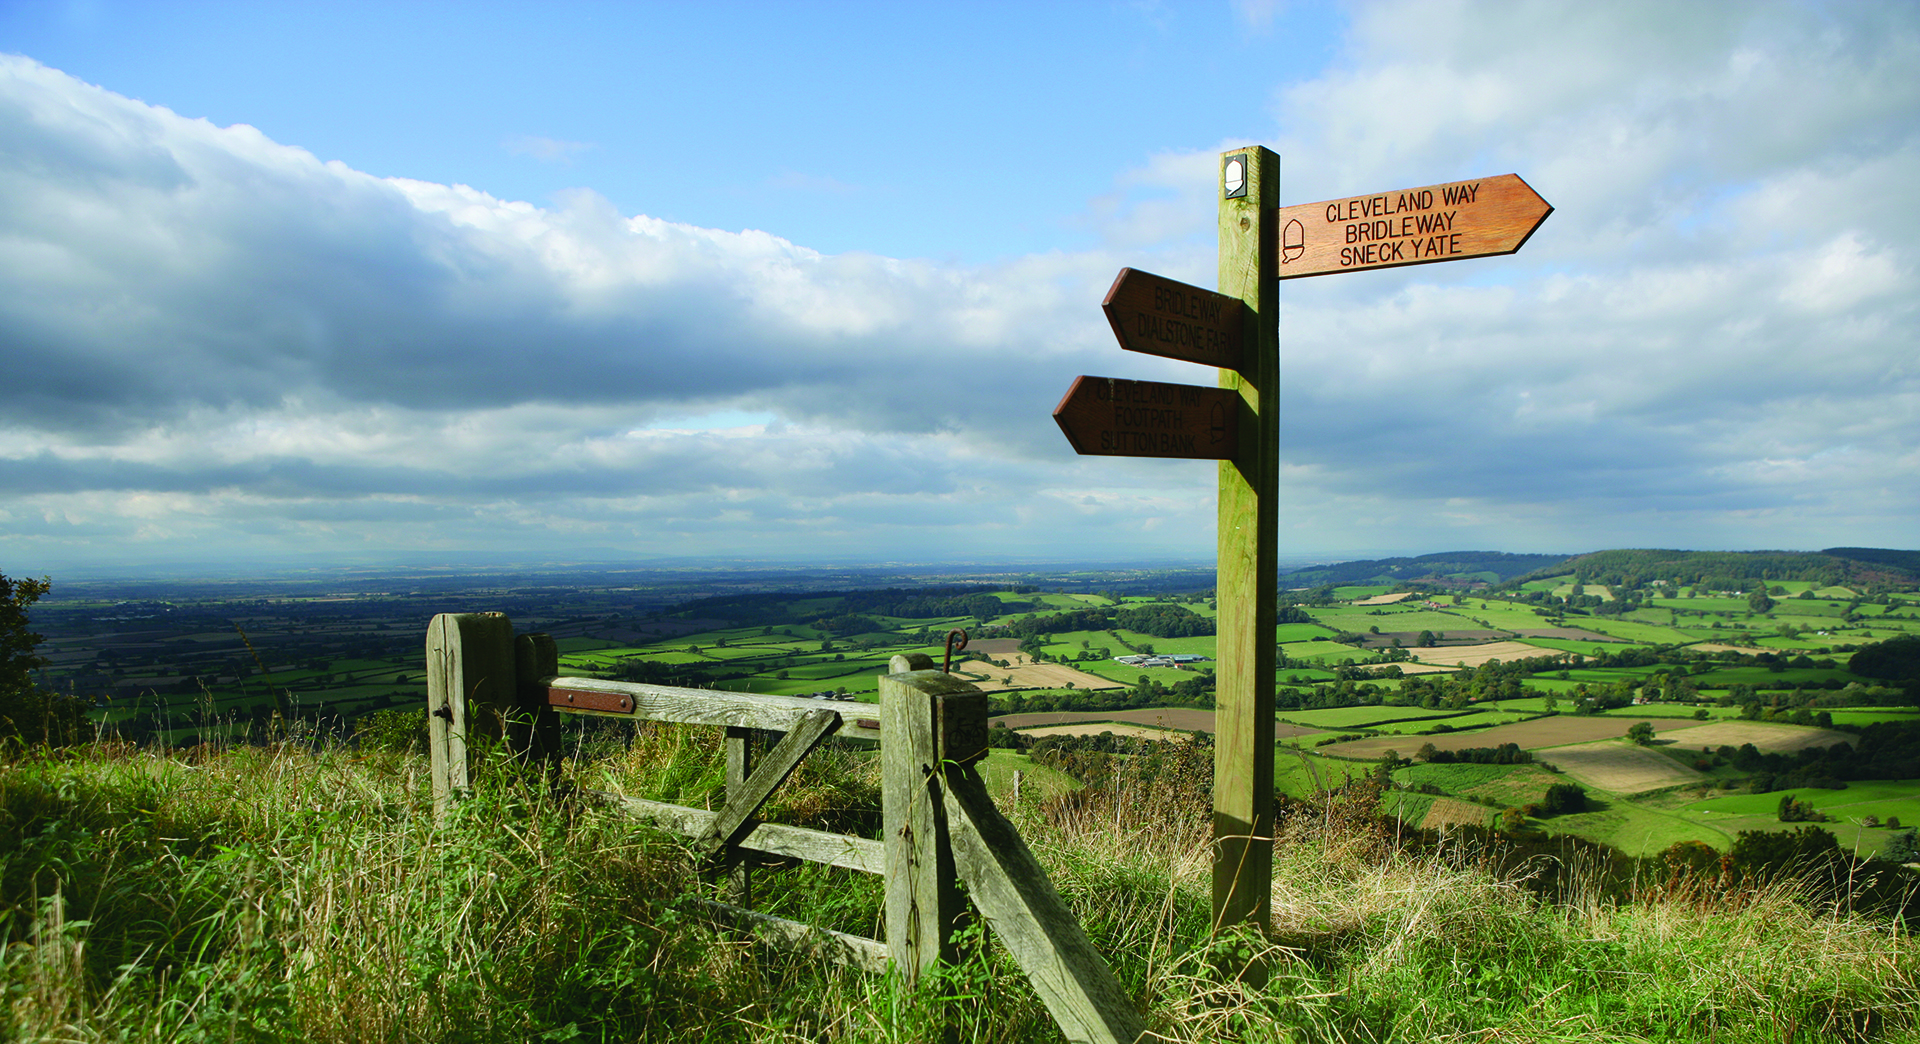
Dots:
{"x": 1158, "y": 316}
{"x": 1114, "y": 417}
{"x": 1414, "y": 226}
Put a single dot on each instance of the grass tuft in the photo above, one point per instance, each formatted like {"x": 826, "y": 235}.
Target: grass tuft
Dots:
{"x": 289, "y": 892}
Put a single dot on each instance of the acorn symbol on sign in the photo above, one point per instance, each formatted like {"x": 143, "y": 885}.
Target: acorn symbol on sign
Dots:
{"x": 1233, "y": 177}
{"x": 1293, "y": 241}
{"x": 1219, "y": 429}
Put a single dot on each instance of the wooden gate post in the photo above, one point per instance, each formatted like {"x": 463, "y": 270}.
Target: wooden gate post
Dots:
{"x": 534, "y": 730}
{"x": 1248, "y": 537}
{"x": 471, "y": 689}
{"x": 923, "y": 905}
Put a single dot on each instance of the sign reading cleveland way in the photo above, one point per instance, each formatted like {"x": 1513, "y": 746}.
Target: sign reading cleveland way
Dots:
{"x": 1158, "y": 316}
{"x": 1114, "y": 417}
{"x": 1409, "y": 226}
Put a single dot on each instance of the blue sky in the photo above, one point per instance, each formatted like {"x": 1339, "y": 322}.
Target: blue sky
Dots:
{"x": 337, "y": 283}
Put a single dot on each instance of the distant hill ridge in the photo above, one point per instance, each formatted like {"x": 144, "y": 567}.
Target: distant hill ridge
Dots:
{"x": 1721, "y": 569}
{"x": 1844, "y": 566}
{"x": 1496, "y": 565}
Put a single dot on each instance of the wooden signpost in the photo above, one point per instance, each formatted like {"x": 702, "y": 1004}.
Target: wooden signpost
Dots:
{"x": 1238, "y": 330}
{"x": 1115, "y": 417}
{"x": 1157, "y": 316}
{"x": 1417, "y": 226}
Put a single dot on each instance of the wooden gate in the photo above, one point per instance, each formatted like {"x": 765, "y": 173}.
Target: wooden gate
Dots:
{"x": 940, "y": 827}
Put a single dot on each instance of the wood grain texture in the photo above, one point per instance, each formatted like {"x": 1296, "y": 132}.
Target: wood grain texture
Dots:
{"x": 535, "y": 729}
{"x": 775, "y": 839}
{"x": 1483, "y": 217}
{"x": 470, "y": 692}
{"x": 732, "y": 822}
{"x": 1160, "y": 316}
{"x": 1116, "y": 417}
{"x": 1248, "y": 541}
{"x": 717, "y": 707}
{"x": 923, "y": 903}
{"x": 1029, "y": 918}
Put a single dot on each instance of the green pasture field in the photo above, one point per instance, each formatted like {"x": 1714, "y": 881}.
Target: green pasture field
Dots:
{"x": 1512, "y": 785}
{"x": 1067, "y": 601}
{"x": 1323, "y": 652}
{"x": 1361, "y": 717}
{"x": 1882, "y": 798}
{"x": 1609, "y": 675}
{"x": 1548, "y": 583}
{"x": 1041, "y": 782}
{"x": 1350, "y": 592}
{"x": 1067, "y": 643}
{"x": 1408, "y": 806}
{"x": 1549, "y": 683}
{"x": 1762, "y": 678}
{"x": 1599, "y": 590}
{"x": 1511, "y": 617}
{"x": 1127, "y": 675}
{"x": 1295, "y": 675}
{"x": 1870, "y": 715}
{"x": 1298, "y": 773}
{"x": 1198, "y": 645}
{"x": 1648, "y": 634}
{"x": 1522, "y": 705}
{"x": 1476, "y": 719}
{"x": 1391, "y": 618}
{"x": 1865, "y": 795}
{"x": 1636, "y": 829}
{"x": 1300, "y": 632}
{"x": 1673, "y": 710}
{"x": 1704, "y": 604}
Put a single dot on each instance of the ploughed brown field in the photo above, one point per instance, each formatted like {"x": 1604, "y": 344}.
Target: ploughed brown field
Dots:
{"x": 1540, "y": 732}
{"x": 1029, "y": 675}
{"x": 1095, "y": 728}
{"x": 1618, "y": 766}
{"x": 1764, "y": 735}
{"x": 1447, "y": 812}
{"x": 1475, "y": 655}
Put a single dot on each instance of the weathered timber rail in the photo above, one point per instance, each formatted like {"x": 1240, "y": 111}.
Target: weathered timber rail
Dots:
{"x": 940, "y": 826}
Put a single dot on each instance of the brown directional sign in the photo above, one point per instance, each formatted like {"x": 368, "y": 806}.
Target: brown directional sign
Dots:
{"x": 1415, "y": 226}
{"x": 1114, "y": 417}
{"x": 1158, "y": 316}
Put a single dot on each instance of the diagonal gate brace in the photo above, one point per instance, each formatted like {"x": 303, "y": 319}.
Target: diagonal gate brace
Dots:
{"x": 1030, "y": 919}
{"x": 735, "y": 821}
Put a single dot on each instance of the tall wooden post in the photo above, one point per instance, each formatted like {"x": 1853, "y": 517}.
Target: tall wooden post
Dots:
{"x": 471, "y": 689}
{"x": 924, "y": 902}
{"x": 1248, "y": 539}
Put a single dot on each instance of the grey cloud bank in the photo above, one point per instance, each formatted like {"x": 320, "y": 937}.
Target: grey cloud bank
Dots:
{"x": 211, "y": 340}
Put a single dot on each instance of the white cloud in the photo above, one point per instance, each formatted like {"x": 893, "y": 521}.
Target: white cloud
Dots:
{"x": 234, "y": 343}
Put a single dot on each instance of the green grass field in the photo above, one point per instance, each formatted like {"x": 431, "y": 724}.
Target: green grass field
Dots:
{"x": 1391, "y": 618}
{"x": 1649, "y": 634}
{"x": 1869, "y": 715}
{"x": 1636, "y": 829}
{"x": 1322, "y": 652}
{"x": 1298, "y": 773}
{"x": 1360, "y": 717}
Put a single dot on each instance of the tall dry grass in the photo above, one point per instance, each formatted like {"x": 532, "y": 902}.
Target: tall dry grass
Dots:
{"x": 283, "y": 893}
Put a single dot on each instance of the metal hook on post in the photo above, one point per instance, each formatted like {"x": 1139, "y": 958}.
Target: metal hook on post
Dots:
{"x": 952, "y": 647}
